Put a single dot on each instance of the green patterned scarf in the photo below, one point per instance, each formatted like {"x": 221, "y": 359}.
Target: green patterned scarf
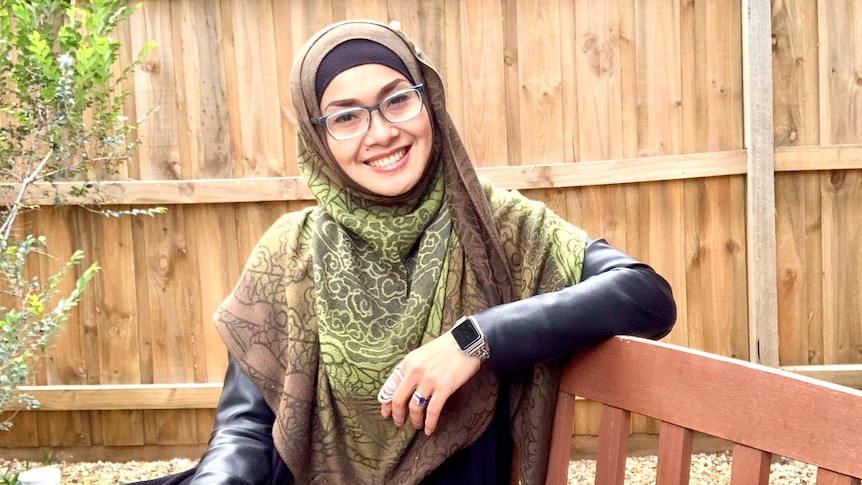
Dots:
{"x": 377, "y": 275}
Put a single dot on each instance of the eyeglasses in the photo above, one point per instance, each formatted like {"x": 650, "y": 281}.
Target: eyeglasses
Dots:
{"x": 352, "y": 122}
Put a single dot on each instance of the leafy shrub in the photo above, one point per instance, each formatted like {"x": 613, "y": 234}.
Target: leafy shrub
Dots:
{"x": 61, "y": 131}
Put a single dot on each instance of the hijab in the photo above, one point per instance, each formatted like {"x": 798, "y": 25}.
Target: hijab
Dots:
{"x": 334, "y": 296}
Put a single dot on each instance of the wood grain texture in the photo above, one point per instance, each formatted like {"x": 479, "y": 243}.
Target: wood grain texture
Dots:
{"x": 750, "y": 466}
{"x": 760, "y": 190}
{"x": 599, "y": 77}
{"x": 798, "y": 230}
{"x": 753, "y": 410}
{"x": 483, "y": 61}
{"x": 828, "y": 477}
{"x": 614, "y": 433}
{"x": 540, "y": 82}
{"x": 257, "y": 89}
{"x": 106, "y": 397}
{"x": 561, "y": 435}
{"x": 674, "y": 454}
{"x": 841, "y": 191}
{"x": 155, "y": 85}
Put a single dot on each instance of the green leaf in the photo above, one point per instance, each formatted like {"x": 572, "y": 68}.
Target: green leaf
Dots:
{"x": 34, "y": 304}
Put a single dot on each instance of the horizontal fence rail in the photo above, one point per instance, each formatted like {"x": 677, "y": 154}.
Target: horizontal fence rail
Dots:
{"x": 205, "y": 396}
{"x": 606, "y": 172}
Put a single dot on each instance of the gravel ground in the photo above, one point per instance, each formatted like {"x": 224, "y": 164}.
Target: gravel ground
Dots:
{"x": 705, "y": 469}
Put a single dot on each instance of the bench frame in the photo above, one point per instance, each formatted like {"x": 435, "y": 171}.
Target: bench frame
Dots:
{"x": 762, "y": 410}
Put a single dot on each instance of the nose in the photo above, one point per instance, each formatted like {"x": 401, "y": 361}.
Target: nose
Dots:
{"x": 380, "y": 131}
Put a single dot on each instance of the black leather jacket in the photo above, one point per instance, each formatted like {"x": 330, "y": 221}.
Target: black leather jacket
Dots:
{"x": 617, "y": 295}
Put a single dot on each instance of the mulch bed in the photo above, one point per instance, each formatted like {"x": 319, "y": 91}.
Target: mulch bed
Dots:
{"x": 705, "y": 469}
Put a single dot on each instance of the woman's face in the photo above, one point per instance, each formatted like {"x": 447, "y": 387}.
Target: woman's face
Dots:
{"x": 390, "y": 158}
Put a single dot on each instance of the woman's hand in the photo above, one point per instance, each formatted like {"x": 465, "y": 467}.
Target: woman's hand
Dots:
{"x": 434, "y": 371}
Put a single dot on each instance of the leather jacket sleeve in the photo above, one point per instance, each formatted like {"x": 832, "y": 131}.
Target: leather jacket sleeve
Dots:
{"x": 617, "y": 295}
{"x": 240, "y": 450}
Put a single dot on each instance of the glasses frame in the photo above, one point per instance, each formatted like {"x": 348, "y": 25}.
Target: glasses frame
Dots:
{"x": 322, "y": 121}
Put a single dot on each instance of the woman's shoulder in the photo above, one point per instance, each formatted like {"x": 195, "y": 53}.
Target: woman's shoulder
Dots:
{"x": 513, "y": 211}
{"x": 512, "y": 202}
{"x": 290, "y": 229}
{"x": 295, "y": 219}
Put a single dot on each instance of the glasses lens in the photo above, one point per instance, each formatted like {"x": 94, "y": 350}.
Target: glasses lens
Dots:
{"x": 348, "y": 123}
{"x": 401, "y": 106}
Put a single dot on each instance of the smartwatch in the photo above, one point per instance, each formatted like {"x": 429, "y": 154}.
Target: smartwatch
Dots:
{"x": 470, "y": 339}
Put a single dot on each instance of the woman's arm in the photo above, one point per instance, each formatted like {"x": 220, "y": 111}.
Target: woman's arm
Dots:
{"x": 617, "y": 295}
{"x": 240, "y": 451}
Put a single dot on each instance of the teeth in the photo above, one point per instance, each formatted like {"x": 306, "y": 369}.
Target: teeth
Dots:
{"x": 387, "y": 160}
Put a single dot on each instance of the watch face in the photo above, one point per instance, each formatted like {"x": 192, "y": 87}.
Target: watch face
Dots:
{"x": 465, "y": 334}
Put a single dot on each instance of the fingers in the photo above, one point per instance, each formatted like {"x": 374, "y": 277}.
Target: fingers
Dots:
{"x": 433, "y": 410}
{"x": 403, "y": 404}
{"x": 401, "y": 397}
{"x": 391, "y": 385}
{"x": 418, "y": 403}
{"x": 433, "y": 371}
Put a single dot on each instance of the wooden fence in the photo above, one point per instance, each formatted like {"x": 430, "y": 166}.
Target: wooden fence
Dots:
{"x": 719, "y": 141}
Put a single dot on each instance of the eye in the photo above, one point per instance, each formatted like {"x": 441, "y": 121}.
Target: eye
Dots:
{"x": 344, "y": 117}
{"x": 398, "y": 99}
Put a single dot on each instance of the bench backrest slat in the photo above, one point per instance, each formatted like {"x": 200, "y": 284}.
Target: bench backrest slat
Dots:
{"x": 614, "y": 430}
{"x": 674, "y": 454}
{"x": 750, "y": 466}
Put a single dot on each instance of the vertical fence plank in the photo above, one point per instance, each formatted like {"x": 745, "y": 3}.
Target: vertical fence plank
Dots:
{"x": 111, "y": 329}
{"x": 841, "y": 191}
{"x": 422, "y": 22}
{"x": 282, "y": 50}
{"x": 760, "y": 216}
{"x": 302, "y": 21}
{"x": 205, "y": 101}
{"x": 796, "y": 122}
{"x": 656, "y": 208}
{"x": 177, "y": 349}
{"x": 512, "y": 80}
{"x": 482, "y": 64}
{"x": 842, "y": 264}
{"x": 65, "y": 230}
{"x": 64, "y": 428}
{"x": 115, "y": 295}
{"x": 599, "y": 73}
{"x": 715, "y": 207}
{"x": 125, "y": 57}
{"x": 541, "y": 82}
{"x": 840, "y": 53}
{"x": 155, "y": 85}
{"x": 570, "y": 148}
{"x": 258, "y": 98}
{"x": 25, "y": 434}
{"x": 213, "y": 248}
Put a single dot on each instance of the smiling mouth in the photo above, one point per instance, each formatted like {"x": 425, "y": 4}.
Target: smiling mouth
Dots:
{"x": 386, "y": 161}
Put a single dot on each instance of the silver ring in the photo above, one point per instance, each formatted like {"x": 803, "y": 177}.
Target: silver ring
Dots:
{"x": 419, "y": 399}
{"x": 387, "y": 392}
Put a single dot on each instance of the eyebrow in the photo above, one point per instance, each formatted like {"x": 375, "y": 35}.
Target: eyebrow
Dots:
{"x": 348, "y": 102}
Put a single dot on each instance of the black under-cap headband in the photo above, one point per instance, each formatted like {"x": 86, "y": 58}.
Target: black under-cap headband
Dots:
{"x": 352, "y": 53}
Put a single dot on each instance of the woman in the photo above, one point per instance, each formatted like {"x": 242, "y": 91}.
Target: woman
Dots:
{"x": 409, "y": 328}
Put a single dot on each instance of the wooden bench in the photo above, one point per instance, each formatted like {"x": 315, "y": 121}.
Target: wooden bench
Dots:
{"x": 763, "y": 411}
